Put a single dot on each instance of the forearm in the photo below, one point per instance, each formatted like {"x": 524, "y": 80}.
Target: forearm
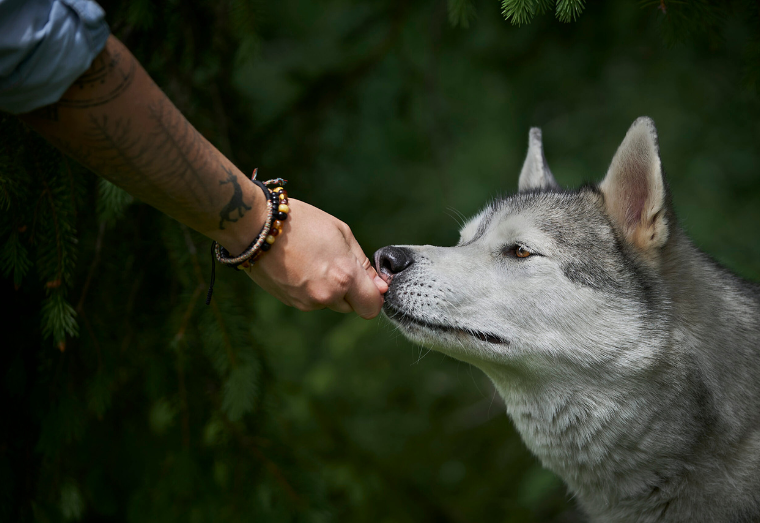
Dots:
{"x": 118, "y": 123}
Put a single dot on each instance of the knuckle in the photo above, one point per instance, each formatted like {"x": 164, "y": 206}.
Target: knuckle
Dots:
{"x": 333, "y": 286}
{"x": 324, "y": 295}
{"x": 345, "y": 229}
{"x": 341, "y": 277}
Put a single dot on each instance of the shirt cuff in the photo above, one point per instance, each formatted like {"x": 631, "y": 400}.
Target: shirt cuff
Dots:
{"x": 44, "y": 46}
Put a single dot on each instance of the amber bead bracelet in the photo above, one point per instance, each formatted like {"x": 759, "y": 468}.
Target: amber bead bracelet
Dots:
{"x": 277, "y": 213}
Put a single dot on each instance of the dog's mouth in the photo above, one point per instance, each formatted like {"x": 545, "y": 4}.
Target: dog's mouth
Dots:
{"x": 406, "y": 319}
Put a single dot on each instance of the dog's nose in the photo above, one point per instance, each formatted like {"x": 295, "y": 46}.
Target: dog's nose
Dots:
{"x": 390, "y": 261}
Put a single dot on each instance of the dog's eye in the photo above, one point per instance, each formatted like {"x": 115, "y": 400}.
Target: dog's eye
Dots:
{"x": 522, "y": 252}
{"x": 518, "y": 251}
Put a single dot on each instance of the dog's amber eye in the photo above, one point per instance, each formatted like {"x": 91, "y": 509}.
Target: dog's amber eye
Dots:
{"x": 522, "y": 252}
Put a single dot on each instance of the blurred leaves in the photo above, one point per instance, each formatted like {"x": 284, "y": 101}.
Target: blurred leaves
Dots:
{"x": 161, "y": 415}
{"x": 72, "y": 503}
{"x": 165, "y": 409}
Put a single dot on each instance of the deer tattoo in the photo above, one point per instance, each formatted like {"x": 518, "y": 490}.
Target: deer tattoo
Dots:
{"x": 236, "y": 203}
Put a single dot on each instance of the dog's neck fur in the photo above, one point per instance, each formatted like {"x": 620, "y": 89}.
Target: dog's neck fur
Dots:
{"x": 579, "y": 431}
{"x": 613, "y": 439}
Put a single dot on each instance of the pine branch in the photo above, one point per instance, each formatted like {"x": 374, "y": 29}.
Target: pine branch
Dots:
{"x": 569, "y": 10}
{"x": 58, "y": 318}
{"x": 5, "y": 197}
{"x": 93, "y": 266}
{"x": 112, "y": 202}
{"x": 14, "y": 259}
{"x": 682, "y": 20}
{"x": 193, "y": 252}
{"x": 461, "y": 12}
{"x": 56, "y": 282}
{"x": 518, "y": 12}
{"x": 521, "y": 12}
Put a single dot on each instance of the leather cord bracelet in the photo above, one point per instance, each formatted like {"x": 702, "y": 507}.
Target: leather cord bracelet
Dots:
{"x": 277, "y": 213}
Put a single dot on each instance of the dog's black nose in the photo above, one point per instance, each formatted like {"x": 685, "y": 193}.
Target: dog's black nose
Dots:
{"x": 390, "y": 261}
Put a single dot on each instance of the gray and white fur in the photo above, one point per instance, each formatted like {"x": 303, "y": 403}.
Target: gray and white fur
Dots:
{"x": 629, "y": 361}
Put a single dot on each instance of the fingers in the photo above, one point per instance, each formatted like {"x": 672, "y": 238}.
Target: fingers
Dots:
{"x": 380, "y": 283}
{"x": 363, "y": 296}
{"x": 342, "y": 306}
{"x": 366, "y": 294}
{"x": 365, "y": 262}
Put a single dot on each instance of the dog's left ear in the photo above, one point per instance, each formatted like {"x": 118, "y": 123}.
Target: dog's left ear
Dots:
{"x": 634, "y": 189}
{"x": 535, "y": 174}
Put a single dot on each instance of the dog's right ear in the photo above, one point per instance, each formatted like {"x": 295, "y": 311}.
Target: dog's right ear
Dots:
{"x": 535, "y": 174}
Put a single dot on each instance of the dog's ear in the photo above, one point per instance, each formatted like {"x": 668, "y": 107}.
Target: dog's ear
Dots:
{"x": 634, "y": 189}
{"x": 535, "y": 174}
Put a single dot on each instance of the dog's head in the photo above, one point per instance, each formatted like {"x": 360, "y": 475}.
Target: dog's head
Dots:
{"x": 546, "y": 279}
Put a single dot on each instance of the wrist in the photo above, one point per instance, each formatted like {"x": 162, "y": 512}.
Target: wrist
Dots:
{"x": 239, "y": 231}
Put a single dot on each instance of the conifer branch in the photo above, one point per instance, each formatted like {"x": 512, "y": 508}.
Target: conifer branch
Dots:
{"x": 59, "y": 250}
{"x": 14, "y": 258}
{"x": 461, "y": 12}
{"x": 93, "y": 266}
{"x": 569, "y": 10}
{"x": 521, "y": 12}
{"x": 191, "y": 303}
{"x": 214, "y": 306}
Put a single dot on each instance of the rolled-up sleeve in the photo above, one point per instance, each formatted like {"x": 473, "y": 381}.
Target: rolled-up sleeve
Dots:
{"x": 44, "y": 46}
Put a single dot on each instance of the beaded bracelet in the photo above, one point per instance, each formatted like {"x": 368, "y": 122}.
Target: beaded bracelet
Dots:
{"x": 277, "y": 212}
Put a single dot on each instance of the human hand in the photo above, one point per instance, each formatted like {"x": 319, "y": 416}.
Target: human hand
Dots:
{"x": 317, "y": 263}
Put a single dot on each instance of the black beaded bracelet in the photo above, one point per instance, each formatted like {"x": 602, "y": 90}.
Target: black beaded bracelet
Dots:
{"x": 277, "y": 212}
{"x": 223, "y": 256}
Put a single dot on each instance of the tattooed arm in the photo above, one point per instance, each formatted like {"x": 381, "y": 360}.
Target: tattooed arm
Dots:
{"x": 118, "y": 123}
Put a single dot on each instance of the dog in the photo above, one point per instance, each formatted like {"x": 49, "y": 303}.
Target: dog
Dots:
{"x": 628, "y": 360}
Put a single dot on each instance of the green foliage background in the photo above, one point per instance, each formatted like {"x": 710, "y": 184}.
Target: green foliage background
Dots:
{"x": 399, "y": 118}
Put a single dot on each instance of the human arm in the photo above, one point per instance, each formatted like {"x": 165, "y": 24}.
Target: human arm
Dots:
{"x": 118, "y": 123}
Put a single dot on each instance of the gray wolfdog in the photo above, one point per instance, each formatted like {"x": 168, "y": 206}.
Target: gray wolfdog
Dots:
{"x": 628, "y": 360}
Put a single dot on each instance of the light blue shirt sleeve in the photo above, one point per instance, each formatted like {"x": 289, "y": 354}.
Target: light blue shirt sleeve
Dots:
{"x": 44, "y": 46}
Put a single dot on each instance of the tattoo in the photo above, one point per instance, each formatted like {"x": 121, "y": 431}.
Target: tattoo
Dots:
{"x": 103, "y": 65}
{"x": 236, "y": 203}
{"x": 153, "y": 153}
{"x": 172, "y": 155}
{"x": 115, "y": 150}
{"x": 179, "y": 145}
{"x": 105, "y": 70}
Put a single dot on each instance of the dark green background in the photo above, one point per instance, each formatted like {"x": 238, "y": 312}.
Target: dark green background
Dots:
{"x": 384, "y": 115}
